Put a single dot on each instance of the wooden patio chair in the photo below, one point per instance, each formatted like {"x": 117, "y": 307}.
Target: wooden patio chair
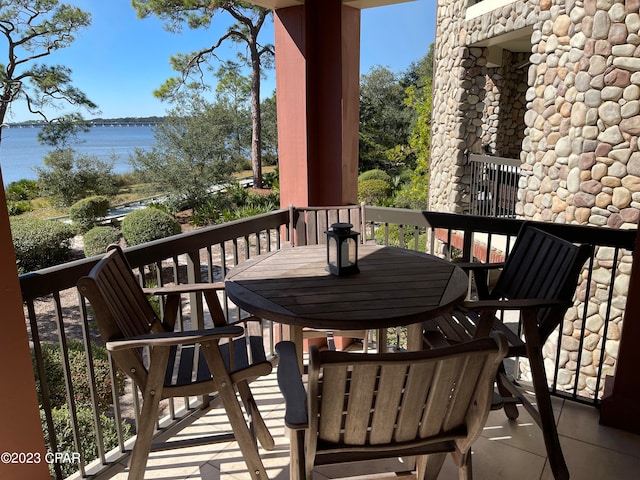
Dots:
{"x": 361, "y": 406}
{"x": 538, "y": 280}
{"x": 180, "y": 364}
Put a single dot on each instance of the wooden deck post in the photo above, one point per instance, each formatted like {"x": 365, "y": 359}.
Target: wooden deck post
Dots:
{"x": 317, "y": 90}
{"x": 620, "y": 407}
{"x": 20, "y": 428}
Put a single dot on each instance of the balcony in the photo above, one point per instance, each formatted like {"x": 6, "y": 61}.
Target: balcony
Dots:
{"x": 55, "y": 315}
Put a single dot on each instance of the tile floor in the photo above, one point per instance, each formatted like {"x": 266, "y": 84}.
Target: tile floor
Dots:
{"x": 507, "y": 450}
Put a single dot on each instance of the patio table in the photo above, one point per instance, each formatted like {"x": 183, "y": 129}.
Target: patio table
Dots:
{"x": 395, "y": 287}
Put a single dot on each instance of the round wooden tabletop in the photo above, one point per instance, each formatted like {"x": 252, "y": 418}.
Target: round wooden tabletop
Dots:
{"x": 394, "y": 287}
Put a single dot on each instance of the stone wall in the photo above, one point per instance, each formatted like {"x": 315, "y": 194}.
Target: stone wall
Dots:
{"x": 451, "y": 133}
{"x": 572, "y": 117}
{"x": 581, "y": 149}
{"x": 581, "y": 157}
{"x": 512, "y": 105}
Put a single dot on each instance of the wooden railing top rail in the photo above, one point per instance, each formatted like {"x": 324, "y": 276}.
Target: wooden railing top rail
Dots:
{"x": 61, "y": 277}
{"x": 500, "y": 226}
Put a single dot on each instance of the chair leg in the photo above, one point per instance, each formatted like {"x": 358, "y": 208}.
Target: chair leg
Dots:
{"x": 149, "y": 414}
{"x": 510, "y": 408}
{"x": 297, "y": 468}
{"x": 543, "y": 399}
{"x": 257, "y": 422}
{"x": 227, "y": 391}
{"x": 428, "y": 466}
{"x": 465, "y": 472}
{"x": 144, "y": 439}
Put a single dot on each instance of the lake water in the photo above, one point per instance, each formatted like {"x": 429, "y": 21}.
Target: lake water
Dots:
{"x": 20, "y": 151}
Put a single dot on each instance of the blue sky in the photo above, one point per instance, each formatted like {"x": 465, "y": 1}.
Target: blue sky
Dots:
{"x": 119, "y": 60}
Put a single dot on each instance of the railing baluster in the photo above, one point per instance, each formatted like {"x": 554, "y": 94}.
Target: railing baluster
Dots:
{"x": 44, "y": 385}
{"x": 86, "y": 337}
{"x": 66, "y": 369}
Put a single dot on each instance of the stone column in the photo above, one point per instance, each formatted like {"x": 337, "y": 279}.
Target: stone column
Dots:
{"x": 451, "y": 128}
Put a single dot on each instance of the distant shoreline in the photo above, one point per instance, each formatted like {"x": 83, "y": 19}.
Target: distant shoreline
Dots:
{"x": 97, "y": 122}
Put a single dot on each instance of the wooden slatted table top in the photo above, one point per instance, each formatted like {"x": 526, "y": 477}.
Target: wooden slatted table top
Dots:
{"x": 394, "y": 287}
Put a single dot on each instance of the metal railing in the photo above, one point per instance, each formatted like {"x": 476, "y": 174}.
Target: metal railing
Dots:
{"x": 494, "y": 185}
{"x": 58, "y": 318}
{"x": 56, "y": 314}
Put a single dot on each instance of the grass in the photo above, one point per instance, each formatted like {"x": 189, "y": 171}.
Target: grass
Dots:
{"x": 131, "y": 193}
{"x": 44, "y": 209}
{"x": 249, "y": 173}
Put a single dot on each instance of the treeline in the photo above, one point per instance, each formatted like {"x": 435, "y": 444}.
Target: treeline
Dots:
{"x": 118, "y": 120}
{"x": 395, "y": 117}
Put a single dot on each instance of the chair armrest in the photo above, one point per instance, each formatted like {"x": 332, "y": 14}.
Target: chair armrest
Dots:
{"x": 184, "y": 288}
{"x": 169, "y": 339}
{"x": 291, "y": 386}
{"x": 516, "y": 304}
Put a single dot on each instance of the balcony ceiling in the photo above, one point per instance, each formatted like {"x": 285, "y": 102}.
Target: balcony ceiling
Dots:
{"x": 516, "y": 41}
{"x": 360, "y": 4}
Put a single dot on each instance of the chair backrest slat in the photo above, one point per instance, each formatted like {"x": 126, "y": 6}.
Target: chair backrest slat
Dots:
{"x": 438, "y": 401}
{"x": 333, "y": 407}
{"x": 418, "y": 383}
{"x": 542, "y": 266}
{"x": 461, "y": 392}
{"x": 388, "y": 401}
{"x": 361, "y": 402}
{"x": 112, "y": 289}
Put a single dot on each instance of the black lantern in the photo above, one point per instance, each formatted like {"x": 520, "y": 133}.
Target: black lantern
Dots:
{"x": 342, "y": 249}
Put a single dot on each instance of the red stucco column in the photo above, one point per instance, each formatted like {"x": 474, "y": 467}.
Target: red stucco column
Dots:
{"x": 20, "y": 428}
{"x": 317, "y": 90}
{"x": 620, "y": 405}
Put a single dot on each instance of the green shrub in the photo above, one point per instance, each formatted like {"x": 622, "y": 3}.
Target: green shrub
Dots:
{"x": 392, "y": 236}
{"x": 22, "y": 190}
{"x": 85, "y": 213}
{"x": 234, "y": 204}
{"x": 375, "y": 174}
{"x": 88, "y": 444}
{"x": 54, "y": 374}
{"x": 148, "y": 224}
{"x": 249, "y": 210}
{"x": 98, "y": 239}
{"x": 18, "y": 207}
{"x": 168, "y": 208}
{"x": 238, "y": 194}
{"x": 373, "y": 191}
{"x": 69, "y": 176}
{"x": 271, "y": 180}
{"x": 40, "y": 243}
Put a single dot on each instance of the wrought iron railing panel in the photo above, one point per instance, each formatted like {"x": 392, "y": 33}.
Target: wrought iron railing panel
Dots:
{"x": 494, "y": 186}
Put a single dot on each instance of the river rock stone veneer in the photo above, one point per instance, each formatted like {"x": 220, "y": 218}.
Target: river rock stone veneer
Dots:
{"x": 569, "y": 108}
